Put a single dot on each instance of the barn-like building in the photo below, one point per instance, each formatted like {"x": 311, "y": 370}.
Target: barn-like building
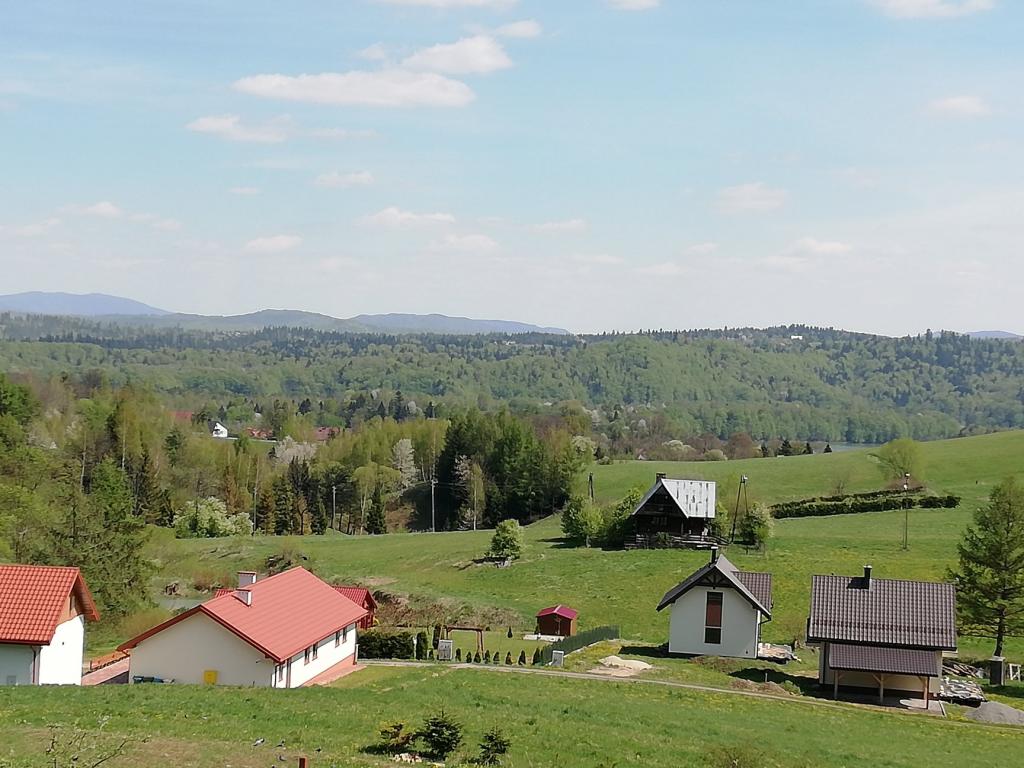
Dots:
{"x": 674, "y": 513}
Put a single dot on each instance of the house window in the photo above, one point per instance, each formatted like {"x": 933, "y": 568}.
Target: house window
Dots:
{"x": 337, "y": 639}
{"x": 344, "y": 635}
{"x": 305, "y": 656}
{"x": 280, "y": 673}
{"x": 713, "y": 619}
{"x": 315, "y": 649}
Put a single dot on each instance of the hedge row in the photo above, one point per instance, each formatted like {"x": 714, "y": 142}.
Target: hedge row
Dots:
{"x": 855, "y": 504}
{"x": 376, "y": 644}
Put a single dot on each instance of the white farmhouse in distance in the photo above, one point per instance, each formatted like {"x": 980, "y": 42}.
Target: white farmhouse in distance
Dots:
{"x": 718, "y": 610}
{"x": 284, "y": 631}
{"x": 219, "y": 430}
{"x": 43, "y": 610}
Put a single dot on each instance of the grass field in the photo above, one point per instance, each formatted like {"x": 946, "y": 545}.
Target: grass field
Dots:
{"x": 615, "y": 587}
{"x": 551, "y": 721}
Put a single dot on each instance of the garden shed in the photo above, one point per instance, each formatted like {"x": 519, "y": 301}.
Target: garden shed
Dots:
{"x": 557, "y": 621}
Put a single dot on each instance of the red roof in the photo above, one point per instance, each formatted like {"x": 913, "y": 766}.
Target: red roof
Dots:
{"x": 358, "y": 595}
{"x": 289, "y": 612}
{"x": 559, "y": 610}
{"x": 33, "y": 598}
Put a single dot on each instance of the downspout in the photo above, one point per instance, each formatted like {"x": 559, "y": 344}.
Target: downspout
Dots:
{"x": 36, "y": 650}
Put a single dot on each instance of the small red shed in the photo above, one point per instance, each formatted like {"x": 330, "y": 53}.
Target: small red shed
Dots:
{"x": 557, "y": 620}
{"x": 360, "y": 596}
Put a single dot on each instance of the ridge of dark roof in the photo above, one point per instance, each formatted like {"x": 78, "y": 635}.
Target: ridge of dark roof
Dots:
{"x": 909, "y": 614}
{"x": 762, "y": 582}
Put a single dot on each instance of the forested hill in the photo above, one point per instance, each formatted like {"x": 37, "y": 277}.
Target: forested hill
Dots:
{"x": 809, "y": 383}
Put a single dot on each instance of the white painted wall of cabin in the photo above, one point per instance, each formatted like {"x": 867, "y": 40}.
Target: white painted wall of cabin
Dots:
{"x": 327, "y": 657}
{"x": 16, "y": 662}
{"x": 908, "y": 683}
{"x": 184, "y": 651}
{"x": 740, "y": 625}
{"x": 60, "y": 662}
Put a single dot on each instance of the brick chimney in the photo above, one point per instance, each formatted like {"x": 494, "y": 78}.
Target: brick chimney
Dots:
{"x": 867, "y": 577}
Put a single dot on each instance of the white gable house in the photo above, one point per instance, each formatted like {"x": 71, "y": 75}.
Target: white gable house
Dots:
{"x": 718, "y": 610}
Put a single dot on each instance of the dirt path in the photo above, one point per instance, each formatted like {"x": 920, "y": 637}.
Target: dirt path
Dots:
{"x": 641, "y": 681}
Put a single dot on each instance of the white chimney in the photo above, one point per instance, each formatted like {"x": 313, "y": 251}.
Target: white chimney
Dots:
{"x": 246, "y": 579}
{"x": 245, "y": 595}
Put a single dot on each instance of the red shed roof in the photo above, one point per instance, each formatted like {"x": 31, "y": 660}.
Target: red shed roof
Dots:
{"x": 33, "y": 599}
{"x": 559, "y": 610}
{"x": 289, "y": 612}
{"x": 358, "y": 595}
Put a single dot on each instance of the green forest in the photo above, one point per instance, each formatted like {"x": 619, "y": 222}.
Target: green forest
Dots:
{"x": 642, "y": 390}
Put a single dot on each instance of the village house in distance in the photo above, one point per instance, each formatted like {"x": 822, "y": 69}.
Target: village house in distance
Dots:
{"x": 284, "y": 631}
{"x": 674, "y": 513}
{"x": 43, "y": 610}
{"x": 882, "y": 634}
{"x": 718, "y": 610}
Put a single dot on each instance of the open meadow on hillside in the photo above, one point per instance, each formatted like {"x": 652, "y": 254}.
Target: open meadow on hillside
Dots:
{"x": 551, "y": 722}
{"x": 623, "y": 588}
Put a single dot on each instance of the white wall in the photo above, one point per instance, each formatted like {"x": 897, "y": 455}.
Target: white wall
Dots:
{"x": 327, "y": 657}
{"x": 16, "y": 662}
{"x": 910, "y": 683}
{"x": 740, "y": 630}
{"x": 185, "y": 650}
{"x": 60, "y": 662}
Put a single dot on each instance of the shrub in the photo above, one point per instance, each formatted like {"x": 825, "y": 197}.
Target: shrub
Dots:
{"x": 507, "y": 541}
{"x": 437, "y": 636}
{"x": 458, "y": 654}
{"x": 757, "y": 525}
{"x": 421, "y": 645}
{"x": 487, "y": 657}
{"x": 476, "y": 657}
{"x": 493, "y": 747}
{"x": 522, "y": 658}
{"x": 206, "y": 580}
{"x": 209, "y": 518}
{"x": 441, "y": 734}
{"x": 496, "y": 658}
{"x": 395, "y": 738}
{"x": 536, "y": 657}
{"x": 508, "y": 658}
{"x": 137, "y": 623}
{"x": 377, "y": 644}
{"x": 509, "y": 635}
{"x": 582, "y": 521}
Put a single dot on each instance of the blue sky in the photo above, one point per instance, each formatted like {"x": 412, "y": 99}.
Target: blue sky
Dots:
{"x": 594, "y": 164}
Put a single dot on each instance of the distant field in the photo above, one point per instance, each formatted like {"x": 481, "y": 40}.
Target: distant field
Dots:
{"x": 624, "y": 587}
{"x": 552, "y": 722}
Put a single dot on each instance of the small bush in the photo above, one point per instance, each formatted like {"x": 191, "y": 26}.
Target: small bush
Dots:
{"x": 395, "y": 738}
{"x": 487, "y": 657}
{"x": 493, "y": 747}
{"x": 437, "y": 636}
{"x": 508, "y": 658}
{"x": 137, "y": 623}
{"x": 441, "y": 734}
{"x": 421, "y": 645}
{"x": 206, "y": 580}
{"x": 536, "y": 656}
{"x": 476, "y": 657}
{"x": 458, "y": 654}
{"x": 522, "y": 658}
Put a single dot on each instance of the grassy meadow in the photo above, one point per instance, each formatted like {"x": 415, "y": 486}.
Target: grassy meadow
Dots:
{"x": 617, "y": 587}
{"x": 551, "y": 722}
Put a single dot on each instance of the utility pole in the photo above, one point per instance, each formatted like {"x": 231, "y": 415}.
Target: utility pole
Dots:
{"x": 433, "y": 523}
{"x": 906, "y": 511}
{"x": 590, "y": 483}
{"x": 255, "y": 494}
{"x": 736, "y": 513}
{"x": 334, "y": 503}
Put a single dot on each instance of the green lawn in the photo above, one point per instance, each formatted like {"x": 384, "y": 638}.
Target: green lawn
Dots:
{"x": 617, "y": 587}
{"x": 551, "y": 721}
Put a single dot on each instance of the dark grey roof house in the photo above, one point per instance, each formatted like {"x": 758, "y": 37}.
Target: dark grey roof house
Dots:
{"x": 718, "y": 610}
{"x": 881, "y": 633}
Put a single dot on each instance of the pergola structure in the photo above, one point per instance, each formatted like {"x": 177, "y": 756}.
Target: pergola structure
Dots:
{"x": 882, "y": 663}
{"x": 448, "y": 629}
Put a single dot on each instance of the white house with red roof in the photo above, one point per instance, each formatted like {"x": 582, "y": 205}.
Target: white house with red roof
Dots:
{"x": 283, "y": 631}
{"x": 43, "y": 610}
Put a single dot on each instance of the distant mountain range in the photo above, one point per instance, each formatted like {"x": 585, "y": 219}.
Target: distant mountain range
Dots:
{"x": 121, "y": 311}
{"x": 995, "y": 335}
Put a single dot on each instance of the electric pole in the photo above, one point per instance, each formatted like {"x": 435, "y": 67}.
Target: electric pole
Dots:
{"x": 433, "y": 524}
{"x": 906, "y": 511}
{"x": 334, "y": 503}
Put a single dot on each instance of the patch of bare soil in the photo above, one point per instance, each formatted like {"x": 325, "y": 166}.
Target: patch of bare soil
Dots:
{"x": 614, "y": 666}
{"x": 399, "y": 610}
{"x": 740, "y": 684}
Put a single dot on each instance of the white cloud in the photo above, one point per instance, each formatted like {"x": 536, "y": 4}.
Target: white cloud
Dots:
{"x": 245, "y": 191}
{"x": 601, "y": 259}
{"x": 815, "y": 247}
{"x": 526, "y": 29}
{"x": 479, "y": 55}
{"x": 465, "y": 244}
{"x": 702, "y": 248}
{"x": 340, "y": 134}
{"x": 273, "y": 244}
{"x": 932, "y": 9}
{"x": 232, "y": 128}
{"x": 157, "y": 222}
{"x": 634, "y": 5}
{"x": 375, "y": 52}
{"x": 961, "y": 106}
{"x": 387, "y": 88}
{"x": 396, "y": 218}
{"x": 664, "y": 269}
{"x": 452, "y": 3}
{"x": 337, "y": 264}
{"x": 756, "y": 196}
{"x": 35, "y": 229}
{"x": 336, "y": 180}
{"x": 568, "y": 225}
{"x": 103, "y": 209}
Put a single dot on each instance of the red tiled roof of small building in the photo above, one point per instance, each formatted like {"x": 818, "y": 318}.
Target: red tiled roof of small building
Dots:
{"x": 34, "y": 597}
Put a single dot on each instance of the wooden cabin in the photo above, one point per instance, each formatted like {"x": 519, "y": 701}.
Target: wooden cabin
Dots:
{"x": 675, "y": 513}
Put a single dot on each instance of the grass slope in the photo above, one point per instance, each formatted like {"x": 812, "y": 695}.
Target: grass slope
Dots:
{"x": 552, "y": 722}
{"x": 614, "y": 587}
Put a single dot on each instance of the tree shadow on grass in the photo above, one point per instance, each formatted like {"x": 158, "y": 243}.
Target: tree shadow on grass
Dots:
{"x": 560, "y": 542}
{"x": 808, "y": 686}
{"x": 648, "y": 651}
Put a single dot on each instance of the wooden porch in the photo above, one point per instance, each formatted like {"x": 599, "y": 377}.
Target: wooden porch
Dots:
{"x": 663, "y": 540}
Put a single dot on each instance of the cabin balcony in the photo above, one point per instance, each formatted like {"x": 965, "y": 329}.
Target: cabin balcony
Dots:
{"x": 663, "y": 540}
